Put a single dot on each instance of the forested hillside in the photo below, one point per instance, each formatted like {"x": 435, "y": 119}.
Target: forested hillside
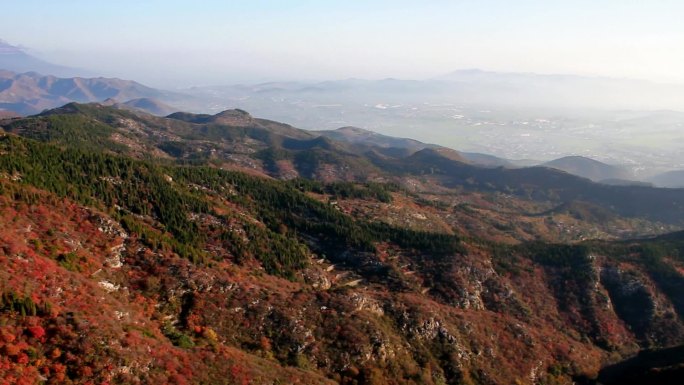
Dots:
{"x": 230, "y": 249}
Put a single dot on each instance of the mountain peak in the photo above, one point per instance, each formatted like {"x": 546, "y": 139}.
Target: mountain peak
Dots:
{"x": 588, "y": 168}
{"x": 15, "y": 58}
{"x": 109, "y": 102}
{"x": 235, "y": 117}
{"x": 149, "y": 105}
{"x": 9, "y": 49}
{"x": 442, "y": 152}
{"x": 236, "y": 112}
{"x": 576, "y": 159}
{"x": 354, "y": 129}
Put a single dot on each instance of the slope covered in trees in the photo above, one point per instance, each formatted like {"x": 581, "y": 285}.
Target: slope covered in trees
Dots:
{"x": 122, "y": 267}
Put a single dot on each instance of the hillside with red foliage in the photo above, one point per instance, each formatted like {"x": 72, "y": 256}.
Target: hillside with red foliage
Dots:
{"x": 85, "y": 301}
{"x": 118, "y": 270}
{"x": 74, "y": 309}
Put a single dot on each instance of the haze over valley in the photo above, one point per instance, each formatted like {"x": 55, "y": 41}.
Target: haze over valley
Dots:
{"x": 523, "y": 117}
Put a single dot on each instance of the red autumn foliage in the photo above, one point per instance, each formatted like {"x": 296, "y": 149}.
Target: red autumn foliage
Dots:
{"x": 36, "y": 331}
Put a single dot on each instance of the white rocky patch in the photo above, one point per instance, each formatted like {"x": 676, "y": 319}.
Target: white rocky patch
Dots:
{"x": 108, "y": 286}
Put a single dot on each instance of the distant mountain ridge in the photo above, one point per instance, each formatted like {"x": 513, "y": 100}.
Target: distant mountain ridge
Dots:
{"x": 588, "y": 168}
{"x": 393, "y": 146}
{"x": 236, "y": 139}
{"x": 670, "y": 179}
{"x": 30, "y": 93}
{"x": 487, "y": 160}
{"x": 13, "y": 58}
{"x": 576, "y": 165}
{"x": 480, "y": 75}
{"x": 149, "y": 105}
{"x": 360, "y": 135}
{"x": 472, "y": 87}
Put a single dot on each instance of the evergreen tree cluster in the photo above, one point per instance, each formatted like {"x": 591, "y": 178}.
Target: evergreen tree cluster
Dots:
{"x": 131, "y": 189}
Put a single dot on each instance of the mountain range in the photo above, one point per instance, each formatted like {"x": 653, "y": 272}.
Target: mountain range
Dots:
{"x": 283, "y": 151}
{"x": 474, "y": 87}
{"x": 226, "y": 248}
{"x": 30, "y": 93}
{"x": 480, "y": 112}
{"x": 374, "y": 238}
{"x": 145, "y": 244}
{"x": 149, "y": 105}
{"x": 469, "y": 86}
{"x": 576, "y": 165}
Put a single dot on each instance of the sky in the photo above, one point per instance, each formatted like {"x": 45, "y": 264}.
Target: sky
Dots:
{"x": 178, "y": 43}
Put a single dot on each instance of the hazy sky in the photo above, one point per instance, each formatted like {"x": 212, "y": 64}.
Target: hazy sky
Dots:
{"x": 179, "y": 43}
